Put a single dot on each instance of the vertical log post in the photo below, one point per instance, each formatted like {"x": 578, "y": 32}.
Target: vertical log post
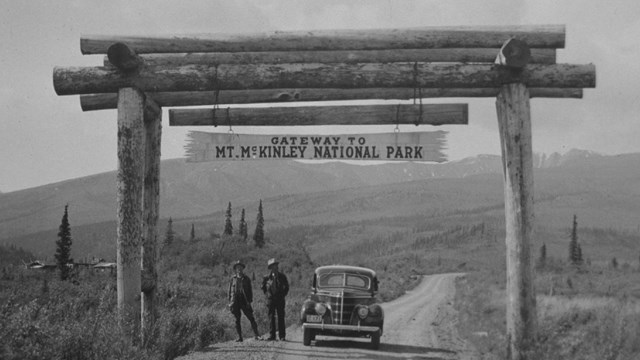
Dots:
{"x": 131, "y": 137}
{"x": 151, "y": 202}
{"x": 514, "y": 120}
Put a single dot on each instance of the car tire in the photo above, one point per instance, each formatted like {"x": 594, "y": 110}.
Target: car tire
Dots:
{"x": 307, "y": 337}
{"x": 375, "y": 340}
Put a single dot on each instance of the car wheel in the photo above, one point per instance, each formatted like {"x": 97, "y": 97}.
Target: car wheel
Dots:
{"x": 307, "y": 337}
{"x": 375, "y": 340}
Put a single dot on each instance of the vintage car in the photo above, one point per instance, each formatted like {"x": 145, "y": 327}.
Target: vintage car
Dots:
{"x": 343, "y": 303}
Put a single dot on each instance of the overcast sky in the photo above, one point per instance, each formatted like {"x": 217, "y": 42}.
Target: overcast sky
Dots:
{"x": 46, "y": 138}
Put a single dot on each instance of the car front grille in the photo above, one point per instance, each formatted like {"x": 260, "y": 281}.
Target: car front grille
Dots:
{"x": 341, "y": 308}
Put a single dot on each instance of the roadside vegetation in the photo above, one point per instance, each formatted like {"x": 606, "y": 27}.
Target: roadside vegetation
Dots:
{"x": 43, "y": 317}
{"x": 587, "y": 309}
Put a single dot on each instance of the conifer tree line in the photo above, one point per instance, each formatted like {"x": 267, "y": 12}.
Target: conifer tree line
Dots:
{"x": 242, "y": 229}
{"x": 243, "y": 232}
{"x": 575, "y": 250}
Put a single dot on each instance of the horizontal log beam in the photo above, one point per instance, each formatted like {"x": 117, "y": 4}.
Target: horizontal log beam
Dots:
{"x": 438, "y": 114}
{"x": 544, "y": 36}
{"x": 92, "y": 80}
{"x": 487, "y": 55}
{"x": 188, "y": 98}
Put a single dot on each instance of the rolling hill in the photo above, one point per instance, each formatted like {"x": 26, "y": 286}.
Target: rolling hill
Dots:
{"x": 196, "y": 189}
{"x": 602, "y": 190}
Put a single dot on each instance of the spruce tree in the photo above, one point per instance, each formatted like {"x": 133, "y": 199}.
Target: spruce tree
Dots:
{"x": 574, "y": 247}
{"x": 579, "y": 258}
{"x": 542, "y": 261}
{"x": 614, "y": 263}
{"x": 169, "y": 235}
{"x": 258, "y": 234}
{"x": 243, "y": 231}
{"x": 228, "y": 227}
{"x": 63, "y": 246}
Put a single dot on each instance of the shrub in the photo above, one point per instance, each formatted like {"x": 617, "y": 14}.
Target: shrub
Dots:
{"x": 68, "y": 322}
{"x": 181, "y": 330}
{"x": 605, "y": 332}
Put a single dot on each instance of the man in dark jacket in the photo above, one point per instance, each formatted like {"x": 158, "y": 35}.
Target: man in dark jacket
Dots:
{"x": 240, "y": 299}
{"x": 275, "y": 286}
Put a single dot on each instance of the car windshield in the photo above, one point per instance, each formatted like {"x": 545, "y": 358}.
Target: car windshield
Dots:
{"x": 333, "y": 280}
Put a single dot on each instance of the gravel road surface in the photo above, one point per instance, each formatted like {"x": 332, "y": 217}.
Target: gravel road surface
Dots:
{"x": 419, "y": 325}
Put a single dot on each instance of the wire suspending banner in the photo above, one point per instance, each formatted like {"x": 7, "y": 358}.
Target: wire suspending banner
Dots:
{"x": 395, "y": 146}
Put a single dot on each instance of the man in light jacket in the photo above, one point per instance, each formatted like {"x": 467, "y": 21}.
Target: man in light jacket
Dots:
{"x": 240, "y": 299}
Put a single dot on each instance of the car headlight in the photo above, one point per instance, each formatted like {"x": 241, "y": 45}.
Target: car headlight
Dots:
{"x": 321, "y": 309}
{"x": 375, "y": 310}
{"x": 363, "y": 312}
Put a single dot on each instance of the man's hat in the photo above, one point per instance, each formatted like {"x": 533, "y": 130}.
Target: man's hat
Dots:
{"x": 238, "y": 263}
{"x": 271, "y": 262}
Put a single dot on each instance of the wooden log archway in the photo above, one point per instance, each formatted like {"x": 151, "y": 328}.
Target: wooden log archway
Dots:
{"x": 140, "y": 74}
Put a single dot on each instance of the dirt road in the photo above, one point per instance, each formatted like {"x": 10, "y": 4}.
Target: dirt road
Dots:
{"x": 418, "y": 325}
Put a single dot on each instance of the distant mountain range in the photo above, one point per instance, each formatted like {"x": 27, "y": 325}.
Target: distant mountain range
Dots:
{"x": 198, "y": 190}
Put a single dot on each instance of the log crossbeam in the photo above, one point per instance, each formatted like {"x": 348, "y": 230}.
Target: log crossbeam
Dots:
{"x": 514, "y": 53}
{"x": 537, "y": 36}
{"x": 469, "y": 55}
{"x": 93, "y": 80}
{"x": 197, "y": 98}
{"x": 431, "y": 114}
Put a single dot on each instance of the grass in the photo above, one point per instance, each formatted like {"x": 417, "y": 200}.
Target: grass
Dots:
{"x": 42, "y": 318}
{"x": 591, "y": 314}
{"x": 62, "y": 321}
{"x": 589, "y": 329}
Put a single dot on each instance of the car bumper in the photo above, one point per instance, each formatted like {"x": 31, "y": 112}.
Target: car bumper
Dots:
{"x": 357, "y": 328}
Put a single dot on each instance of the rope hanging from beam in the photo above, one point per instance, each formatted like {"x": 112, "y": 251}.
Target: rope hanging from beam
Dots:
{"x": 216, "y": 98}
{"x": 229, "y": 121}
{"x": 397, "y": 129}
{"x": 216, "y": 106}
{"x": 417, "y": 88}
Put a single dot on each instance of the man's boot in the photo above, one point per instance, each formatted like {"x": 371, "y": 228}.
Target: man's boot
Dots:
{"x": 238, "y": 330}
{"x": 255, "y": 331}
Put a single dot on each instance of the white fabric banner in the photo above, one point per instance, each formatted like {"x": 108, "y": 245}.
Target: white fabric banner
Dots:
{"x": 396, "y": 146}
